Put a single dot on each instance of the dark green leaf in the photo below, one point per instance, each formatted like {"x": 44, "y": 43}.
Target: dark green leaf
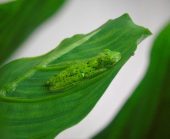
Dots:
{"x": 146, "y": 114}
{"x": 30, "y": 110}
{"x": 19, "y": 18}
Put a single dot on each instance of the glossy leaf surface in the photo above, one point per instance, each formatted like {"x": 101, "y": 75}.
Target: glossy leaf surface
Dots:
{"x": 30, "y": 110}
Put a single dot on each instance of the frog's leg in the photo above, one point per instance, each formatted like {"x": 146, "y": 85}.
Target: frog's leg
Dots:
{"x": 95, "y": 73}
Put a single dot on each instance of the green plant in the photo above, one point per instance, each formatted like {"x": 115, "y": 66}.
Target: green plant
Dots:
{"x": 42, "y": 96}
{"x": 25, "y": 98}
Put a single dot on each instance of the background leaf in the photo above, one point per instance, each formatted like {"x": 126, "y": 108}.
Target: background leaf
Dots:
{"x": 29, "y": 110}
{"x": 19, "y": 19}
{"x": 146, "y": 114}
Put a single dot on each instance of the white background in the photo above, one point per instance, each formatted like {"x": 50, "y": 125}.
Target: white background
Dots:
{"x": 82, "y": 16}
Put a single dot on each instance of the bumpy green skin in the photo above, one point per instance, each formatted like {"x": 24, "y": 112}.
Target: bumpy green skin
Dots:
{"x": 84, "y": 70}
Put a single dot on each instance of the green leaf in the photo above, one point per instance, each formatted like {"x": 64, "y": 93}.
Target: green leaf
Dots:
{"x": 19, "y": 19}
{"x": 29, "y": 109}
{"x": 146, "y": 114}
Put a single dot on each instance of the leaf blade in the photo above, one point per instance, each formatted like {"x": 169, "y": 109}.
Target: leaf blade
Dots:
{"x": 64, "y": 108}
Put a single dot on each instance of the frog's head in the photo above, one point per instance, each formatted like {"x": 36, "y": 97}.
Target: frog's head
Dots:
{"x": 108, "y": 58}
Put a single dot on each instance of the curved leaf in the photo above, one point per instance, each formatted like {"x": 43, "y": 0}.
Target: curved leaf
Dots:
{"x": 19, "y": 18}
{"x": 30, "y": 110}
{"x": 146, "y": 114}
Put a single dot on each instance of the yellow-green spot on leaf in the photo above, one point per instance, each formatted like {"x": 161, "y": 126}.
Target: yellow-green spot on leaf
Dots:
{"x": 83, "y": 70}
